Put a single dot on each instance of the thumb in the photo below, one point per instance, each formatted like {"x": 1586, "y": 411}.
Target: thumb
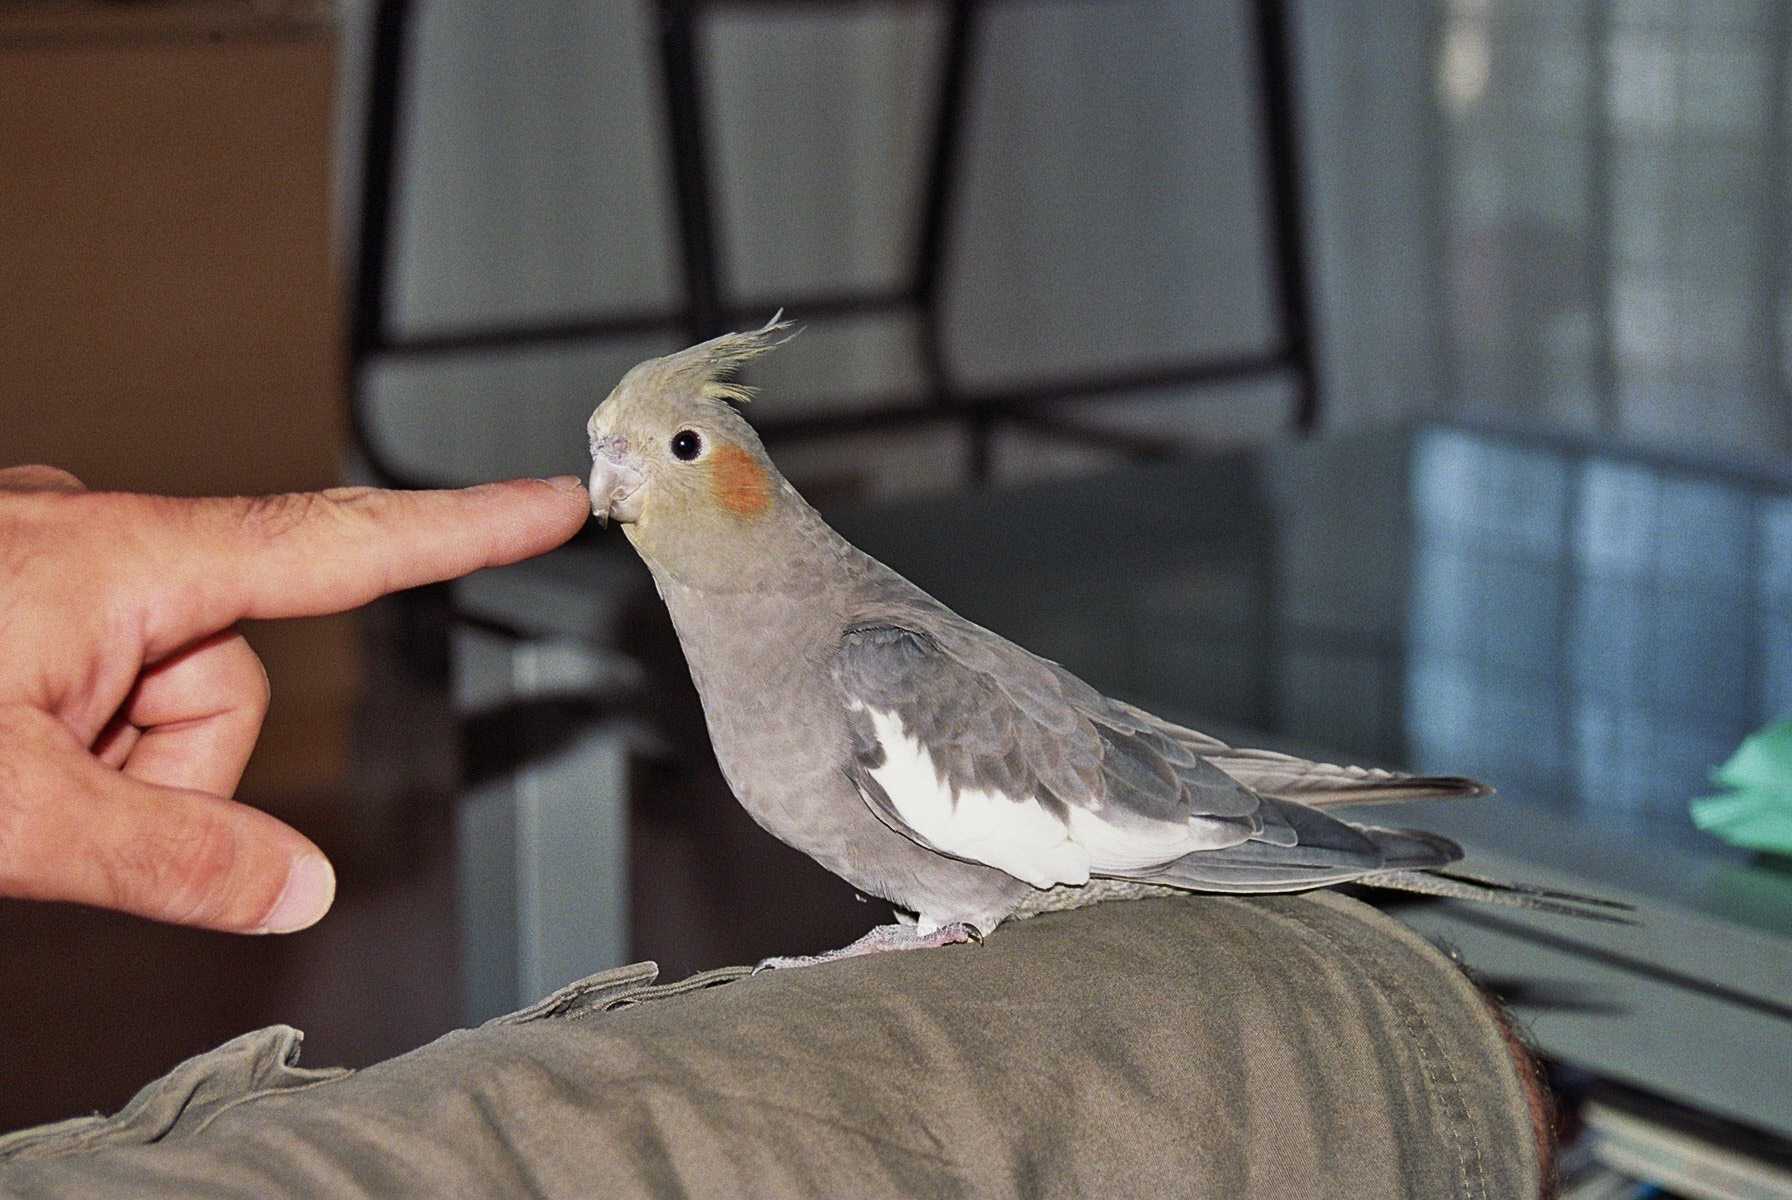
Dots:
{"x": 73, "y": 829}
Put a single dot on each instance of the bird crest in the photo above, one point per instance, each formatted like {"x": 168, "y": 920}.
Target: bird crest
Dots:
{"x": 708, "y": 368}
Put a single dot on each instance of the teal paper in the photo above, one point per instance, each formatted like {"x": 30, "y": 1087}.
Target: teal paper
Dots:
{"x": 1757, "y": 811}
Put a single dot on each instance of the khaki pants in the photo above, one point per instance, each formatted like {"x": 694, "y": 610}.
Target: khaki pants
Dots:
{"x": 1282, "y": 1047}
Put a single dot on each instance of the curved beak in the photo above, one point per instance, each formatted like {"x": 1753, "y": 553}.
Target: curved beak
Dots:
{"x": 616, "y": 482}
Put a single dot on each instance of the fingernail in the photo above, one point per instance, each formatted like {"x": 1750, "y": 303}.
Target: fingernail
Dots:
{"x": 567, "y": 483}
{"x": 310, "y": 887}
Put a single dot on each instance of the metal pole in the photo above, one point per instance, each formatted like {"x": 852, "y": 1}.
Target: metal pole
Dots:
{"x": 379, "y": 172}
{"x": 681, "y": 76}
{"x": 1281, "y": 146}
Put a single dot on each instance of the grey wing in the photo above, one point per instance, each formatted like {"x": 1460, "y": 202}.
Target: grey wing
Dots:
{"x": 976, "y": 749}
{"x": 1300, "y": 846}
{"x": 972, "y": 747}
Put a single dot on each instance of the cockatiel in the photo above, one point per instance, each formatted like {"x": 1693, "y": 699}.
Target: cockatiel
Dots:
{"x": 922, "y": 758}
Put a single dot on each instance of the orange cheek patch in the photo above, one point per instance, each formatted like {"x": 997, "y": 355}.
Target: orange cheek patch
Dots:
{"x": 740, "y": 485}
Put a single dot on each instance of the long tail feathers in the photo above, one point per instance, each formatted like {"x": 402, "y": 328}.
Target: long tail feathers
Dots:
{"x": 1322, "y": 785}
{"x": 1412, "y": 861}
{"x": 1458, "y": 884}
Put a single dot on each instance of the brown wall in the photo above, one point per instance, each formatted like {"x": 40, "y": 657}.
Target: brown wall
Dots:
{"x": 170, "y": 319}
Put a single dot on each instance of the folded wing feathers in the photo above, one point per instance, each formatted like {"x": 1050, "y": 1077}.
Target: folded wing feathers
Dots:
{"x": 1009, "y": 731}
{"x": 1287, "y": 777}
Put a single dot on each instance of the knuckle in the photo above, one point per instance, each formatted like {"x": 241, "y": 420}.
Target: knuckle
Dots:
{"x": 354, "y": 497}
{"x": 40, "y": 477}
{"x": 34, "y": 519}
{"x": 262, "y": 697}
{"x": 276, "y": 516}
{"x": 18, "y": 554}
{"x": 181, "y": 868}
{"x": 272, "y": 517}
{"x": 13, "y": 821}
{"x": 255, "y": 692}
{"x": 26, "y": 787}
{"x": 359, "y": 508}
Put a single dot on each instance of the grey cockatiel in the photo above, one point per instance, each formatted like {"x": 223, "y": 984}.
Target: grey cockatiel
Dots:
{"x": 922, "y": 758}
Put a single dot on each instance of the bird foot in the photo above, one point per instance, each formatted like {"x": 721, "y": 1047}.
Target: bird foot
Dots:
{"x": 879, "y": 940}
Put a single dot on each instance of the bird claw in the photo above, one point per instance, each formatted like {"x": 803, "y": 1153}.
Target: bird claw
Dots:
{"x": 880, "y": 940}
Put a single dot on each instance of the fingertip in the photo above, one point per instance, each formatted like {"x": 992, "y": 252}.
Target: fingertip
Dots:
{"x": 570, "y": 484}
{"x": 310, "y": 890}
{"x": 568, "y": 499}
{"x": 577, "y": 498}
{"x": 567, "y": 509}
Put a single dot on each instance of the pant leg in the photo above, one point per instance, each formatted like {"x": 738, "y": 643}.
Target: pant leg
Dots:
{"x": 1283, "y": 1047}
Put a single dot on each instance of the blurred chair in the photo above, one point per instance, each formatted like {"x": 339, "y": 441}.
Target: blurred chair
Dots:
{"x": 542, "y": 856}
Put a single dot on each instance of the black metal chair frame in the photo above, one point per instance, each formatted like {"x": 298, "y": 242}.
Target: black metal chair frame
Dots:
{"x": 709, "y": 307}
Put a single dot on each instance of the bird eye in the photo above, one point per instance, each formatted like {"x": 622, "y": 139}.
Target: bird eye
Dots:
{"x": 686, "y": 445}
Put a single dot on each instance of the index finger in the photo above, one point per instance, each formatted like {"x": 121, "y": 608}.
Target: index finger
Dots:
{"x": 213, "y": 562}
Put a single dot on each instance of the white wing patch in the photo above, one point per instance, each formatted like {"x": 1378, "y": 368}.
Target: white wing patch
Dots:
{"x": 1013, "y": 833}
{"x": 1009, "y": 833}
{"x": 1114, "y": 847}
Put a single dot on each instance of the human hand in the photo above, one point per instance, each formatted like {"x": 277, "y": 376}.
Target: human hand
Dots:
{"x": 129, "y": 704}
